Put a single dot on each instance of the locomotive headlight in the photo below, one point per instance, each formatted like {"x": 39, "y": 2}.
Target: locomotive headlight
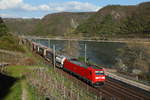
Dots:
{"x": 100, "y": 77}
{"x": 97, "y": 77}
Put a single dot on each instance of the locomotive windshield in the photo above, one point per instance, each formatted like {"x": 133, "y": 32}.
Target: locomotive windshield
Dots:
{"x": 99, "y": 72}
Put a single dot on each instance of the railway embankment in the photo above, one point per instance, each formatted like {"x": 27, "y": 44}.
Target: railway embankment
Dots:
{"x": 43, "y": 81}
{"x": 128, "y": 81}
{"x": 35, "y": 80}
{"x": 116, "y": 90}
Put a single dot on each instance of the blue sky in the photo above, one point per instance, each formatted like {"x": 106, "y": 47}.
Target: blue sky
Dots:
{"x": 39, "y": 8}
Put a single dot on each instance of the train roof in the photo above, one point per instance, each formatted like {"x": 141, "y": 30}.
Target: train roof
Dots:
{"x": 75, "y": 61}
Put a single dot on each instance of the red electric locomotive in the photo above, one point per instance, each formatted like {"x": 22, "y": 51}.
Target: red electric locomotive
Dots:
{"x": 92, "y": 74}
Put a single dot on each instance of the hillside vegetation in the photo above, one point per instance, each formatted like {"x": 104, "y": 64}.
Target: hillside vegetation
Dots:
{"x": 118, "y": 20}
{"x": 112, "y": 20}
{"x": 20, "y": 25}
{"x": 7, "y": 40}
{"x": 56, "y": 24}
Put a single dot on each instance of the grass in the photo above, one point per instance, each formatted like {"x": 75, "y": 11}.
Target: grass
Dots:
{"x": 15, "y": 92}
{"x": 7, "y": 58}
{"x": 16, "y": 89}
{"x": 19, "y": 72}
{"x": 76, "y": 88}
{"x": 10, "y": 43}
{"x": 32, "y": 95}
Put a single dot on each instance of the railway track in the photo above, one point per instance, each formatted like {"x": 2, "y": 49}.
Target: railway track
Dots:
{"x": 112, "y": 90}
{"x": 123, "y": 93}
{"x": 126, "y": 92}
{"x": 130, "y": 90}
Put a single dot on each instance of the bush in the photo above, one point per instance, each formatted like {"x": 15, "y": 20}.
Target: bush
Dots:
{"x": 136, "y": 56}
{"x": 11, "y": 43}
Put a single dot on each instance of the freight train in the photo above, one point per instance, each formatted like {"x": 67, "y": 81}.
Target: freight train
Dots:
{"x": 91, "y": 74}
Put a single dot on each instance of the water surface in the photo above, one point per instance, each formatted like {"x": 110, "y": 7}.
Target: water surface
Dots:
{"x": 101, "y": 53}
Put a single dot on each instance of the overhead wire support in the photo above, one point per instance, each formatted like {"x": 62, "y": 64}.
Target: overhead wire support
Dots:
{"x": 49, "y": 43}
{"x": 85, "y": 56}
{"x": 54, "y": 56}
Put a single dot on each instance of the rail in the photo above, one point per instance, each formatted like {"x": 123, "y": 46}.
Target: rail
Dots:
{"x": 136, "y": 84}
{"x": 3, "y": 64}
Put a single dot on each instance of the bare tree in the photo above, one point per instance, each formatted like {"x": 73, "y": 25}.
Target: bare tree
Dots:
{"x": 72, "y": 46}
{"x": 136, "y": 56}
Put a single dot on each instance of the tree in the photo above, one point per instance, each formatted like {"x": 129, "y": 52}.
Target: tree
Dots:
{"x": 3, "y": 28}
{"x": 136, "y": 56}
{"x": 72, "y": 46}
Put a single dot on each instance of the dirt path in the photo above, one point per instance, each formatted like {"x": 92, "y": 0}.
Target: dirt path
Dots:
{"x": 24, "y": 95}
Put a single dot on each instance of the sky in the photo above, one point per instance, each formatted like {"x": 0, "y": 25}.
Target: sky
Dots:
{"x": 40, "y": 8}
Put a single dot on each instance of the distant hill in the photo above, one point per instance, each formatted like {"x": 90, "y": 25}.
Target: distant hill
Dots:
{"x": 21, "y": 26}
{"x": 56, "y": 24}
{"x": 60, "y": 23}
{"x": 112, "y": 20}
{"x": 118, "y": 20}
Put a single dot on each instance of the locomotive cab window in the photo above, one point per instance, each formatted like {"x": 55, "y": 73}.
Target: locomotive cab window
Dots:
{"x": 99, "y": 72}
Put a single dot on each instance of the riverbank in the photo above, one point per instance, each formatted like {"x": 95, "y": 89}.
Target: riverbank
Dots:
{"x": 121, "y": 40}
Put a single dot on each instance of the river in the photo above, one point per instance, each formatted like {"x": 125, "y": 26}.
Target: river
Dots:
{"x": 101, "y": 53}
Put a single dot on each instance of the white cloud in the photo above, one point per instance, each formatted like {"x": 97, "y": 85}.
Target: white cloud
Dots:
{"x": 44, "y": 7}
{"x": 66, "y": 6}
{"x": 7, "y": 4}
{"x": 28, "y": 7}
{"x": 79, "y": 5}
{"x": 17, "y": 16}
{"x": 74, "y": 6}
{"x": 19, "y": 4}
